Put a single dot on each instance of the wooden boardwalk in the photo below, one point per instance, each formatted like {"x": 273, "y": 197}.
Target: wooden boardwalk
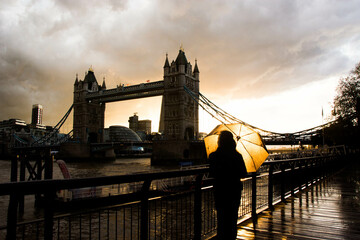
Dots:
{"x": 327, "y": 210}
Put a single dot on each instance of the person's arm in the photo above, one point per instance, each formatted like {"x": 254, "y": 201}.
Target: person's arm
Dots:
{"x": 243, "y": 171}
{"x": 212, "y": 165}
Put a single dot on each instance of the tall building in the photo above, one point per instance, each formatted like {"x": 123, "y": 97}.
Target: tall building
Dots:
{"x": 133, "y": 122}
{"x": 37, "y": 114}
{"x": 139, "y": 125}
{"x": 145, "y": 126}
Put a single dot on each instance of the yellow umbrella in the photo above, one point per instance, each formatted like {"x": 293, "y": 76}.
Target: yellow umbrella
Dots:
{"x": 248, "y": 144}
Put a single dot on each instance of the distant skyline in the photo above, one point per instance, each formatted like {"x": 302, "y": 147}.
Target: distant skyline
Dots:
{"x": 273, "y": 64}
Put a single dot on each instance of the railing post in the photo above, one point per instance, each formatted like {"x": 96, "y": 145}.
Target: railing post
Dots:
{"x": 38, "y": 176}
{"x": 322, "y": 167}
{"x": 253, "y": 198}
{"x": 197, "y": 208}
{"x": 49, "y": 198}
{"x": 13, "y": 204}
{"x": 313, "y": 170}
{"x": 306, "y": 174}
{"x": 271, "y": 187}
{"x": 14, "y": 168}
{"x": 48, "y": 174}
{"x": 39, "y": 167}
{"x": 318, "y": 170}
{"x": 299, "y": 175}
{"x": 282, "y": 184}
{"x": 292, "y": 179}
{"x": 144, "y": 220}
{"x": 49, "y": 214}
{"x": 22, "y": 158}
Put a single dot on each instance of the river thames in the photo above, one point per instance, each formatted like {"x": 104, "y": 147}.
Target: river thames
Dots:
{"x": 121, "y": 166}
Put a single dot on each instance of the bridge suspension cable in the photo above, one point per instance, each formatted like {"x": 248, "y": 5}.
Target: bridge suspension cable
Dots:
{"x": 55, "y": 130}
{"x": 226, "y": 118}
{"x": 215, "y": 111}
{"x": 20, "y": 140}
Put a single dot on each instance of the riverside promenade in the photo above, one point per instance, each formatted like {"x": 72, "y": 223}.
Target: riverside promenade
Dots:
{"x": 329, "y": 209}
{"x": 179, "y": 204}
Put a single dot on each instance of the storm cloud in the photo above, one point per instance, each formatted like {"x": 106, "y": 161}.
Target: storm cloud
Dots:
{"x": 245, "y": 49}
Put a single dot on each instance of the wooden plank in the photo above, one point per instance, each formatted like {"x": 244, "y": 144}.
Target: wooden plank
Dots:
{"x": 328, "y": 210}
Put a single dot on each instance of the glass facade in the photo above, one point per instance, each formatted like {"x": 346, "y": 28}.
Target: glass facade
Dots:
{"x": 122, "y": 134}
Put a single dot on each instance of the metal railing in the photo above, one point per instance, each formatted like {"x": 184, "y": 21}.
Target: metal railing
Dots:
{"x": 184, "y": 211}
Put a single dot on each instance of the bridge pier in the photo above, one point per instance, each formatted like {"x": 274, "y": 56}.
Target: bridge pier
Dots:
{"x": 42, "y": 169}
{"x": 35, "y": 172}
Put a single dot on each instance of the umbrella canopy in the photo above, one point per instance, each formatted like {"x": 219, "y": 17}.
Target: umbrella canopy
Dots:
{"x": 248, "y": 144}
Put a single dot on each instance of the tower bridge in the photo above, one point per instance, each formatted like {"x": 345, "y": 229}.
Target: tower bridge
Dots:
{"x": 179, "y": 115}
{"x": 179, "y": 119}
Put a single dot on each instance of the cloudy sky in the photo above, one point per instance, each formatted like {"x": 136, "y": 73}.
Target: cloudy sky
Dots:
{"x": 274, "y": 64}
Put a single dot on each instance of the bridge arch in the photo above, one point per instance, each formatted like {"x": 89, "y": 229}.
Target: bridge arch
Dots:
{"x": 189, "y": 133}
{"x": 93, "y": 137}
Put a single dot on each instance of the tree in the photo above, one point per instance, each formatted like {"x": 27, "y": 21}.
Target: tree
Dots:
{"x": 346, "y": 105}
{"x": 346, "y": 110}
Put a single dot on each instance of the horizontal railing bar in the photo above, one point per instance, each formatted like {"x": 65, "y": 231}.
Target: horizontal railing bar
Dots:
{"x": 112, "y": 207}
{"x": 294, "y": 160}
{"x": 40, "y": 186}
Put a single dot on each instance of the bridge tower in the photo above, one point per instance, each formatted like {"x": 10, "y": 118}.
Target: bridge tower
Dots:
{"x": 88, "y": 122}
{"x": 179, "y": 118}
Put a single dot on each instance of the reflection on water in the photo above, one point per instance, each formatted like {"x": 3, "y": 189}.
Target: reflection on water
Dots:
{"x": 5, "y": 167}
{"x": 117, "y": 167}
{"x": 120, "y": 166}
{"x": 77, "y": 170}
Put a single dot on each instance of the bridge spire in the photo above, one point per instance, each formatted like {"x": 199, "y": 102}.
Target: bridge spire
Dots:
{"x": 166, "y": 65}
{"x": 196, "y": 69}
{"x": 103, "y": 86}
{"x": 76, "y": 79}
{"x": 181, "y": 58}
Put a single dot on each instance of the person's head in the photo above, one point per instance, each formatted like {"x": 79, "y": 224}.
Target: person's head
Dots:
{"x": 226, "y": 140}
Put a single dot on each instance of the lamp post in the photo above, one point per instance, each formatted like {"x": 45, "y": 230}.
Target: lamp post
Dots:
{"x": 322, "y": 123}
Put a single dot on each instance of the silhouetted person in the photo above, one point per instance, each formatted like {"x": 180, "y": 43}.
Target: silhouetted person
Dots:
{"x": 227, "y": 167}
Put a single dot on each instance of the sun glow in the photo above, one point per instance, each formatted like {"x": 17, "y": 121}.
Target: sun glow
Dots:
{"x": 290, "y": 111}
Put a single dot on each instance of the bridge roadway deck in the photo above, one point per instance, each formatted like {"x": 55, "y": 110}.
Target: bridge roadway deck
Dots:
{"x": 327, "y": 210}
